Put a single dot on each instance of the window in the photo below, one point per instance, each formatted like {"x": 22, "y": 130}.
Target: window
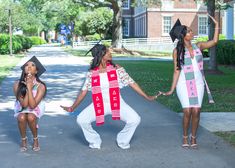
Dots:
{"x": 166, "y": 25}
{"x": 126, "y": 4}
{"x": 125, "y": 28}
{"x": 140, "y": 26}
{"x": 202, "y": 25}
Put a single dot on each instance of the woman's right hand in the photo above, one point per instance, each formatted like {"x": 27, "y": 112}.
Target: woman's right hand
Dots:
{"x": 68, "y": 109}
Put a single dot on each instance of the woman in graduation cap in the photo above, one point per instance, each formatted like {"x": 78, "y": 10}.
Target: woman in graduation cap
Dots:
{"x": 29, "y": 106}
{"x": 188, "y": 77}
{"x": 104, "y": 80}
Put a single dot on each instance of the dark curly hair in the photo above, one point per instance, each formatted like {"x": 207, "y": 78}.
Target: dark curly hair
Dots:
{"x": 181, "y": 48}
{"x": 98, "y": 52}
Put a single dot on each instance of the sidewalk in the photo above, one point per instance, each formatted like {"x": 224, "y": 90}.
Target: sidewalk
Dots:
{"x": 156, "y": 142}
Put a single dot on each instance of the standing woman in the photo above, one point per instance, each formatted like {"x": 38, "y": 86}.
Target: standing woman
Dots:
{"x": 104, "y": 80}
{"x": 188, "y": 77}
{"x": 29, "y": 106}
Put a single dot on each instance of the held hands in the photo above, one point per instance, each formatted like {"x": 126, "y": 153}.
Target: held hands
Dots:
{"x": 68, "y": 109}
{"x": 151, "y": 98}
{"x": 167, "y": 93}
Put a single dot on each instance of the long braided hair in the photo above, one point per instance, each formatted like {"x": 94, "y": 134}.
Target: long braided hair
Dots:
{"x": 181, "y": 48}
{"x": 98, "y": 52}
{"x": 22, "y": 89}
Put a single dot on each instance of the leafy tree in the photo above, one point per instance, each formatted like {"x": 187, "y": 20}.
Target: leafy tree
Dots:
{"x": 21, "y": 19}
{"x": 212, "y": 5}
{"x": 116, "y": 6}
{"x": 97, "y": 21}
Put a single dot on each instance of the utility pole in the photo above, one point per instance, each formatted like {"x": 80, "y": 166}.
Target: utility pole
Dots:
{"x": 10, "y": 30}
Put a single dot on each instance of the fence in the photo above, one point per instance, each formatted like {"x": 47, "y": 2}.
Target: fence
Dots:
{"x": 156, "y": 44}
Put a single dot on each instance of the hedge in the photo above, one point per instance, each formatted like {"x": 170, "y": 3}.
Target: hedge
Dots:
{"x": 37, "y": 40}
{"x": 19, "y": 43}
{"x": 225, "y": 52}
{"x": 204, "y": 39}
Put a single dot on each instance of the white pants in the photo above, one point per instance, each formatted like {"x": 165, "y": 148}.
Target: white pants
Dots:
{"x": 127, "y": 114}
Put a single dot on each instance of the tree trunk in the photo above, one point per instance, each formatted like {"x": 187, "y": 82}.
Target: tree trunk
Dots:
{"x": 212, "y": 50}
{"x": 117, "y": 24}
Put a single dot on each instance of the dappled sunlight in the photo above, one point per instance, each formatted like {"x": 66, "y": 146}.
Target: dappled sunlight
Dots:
{"x": 64, "y": 78}
{"x": 7, "y": 105}
{"x": 53, "y": 107}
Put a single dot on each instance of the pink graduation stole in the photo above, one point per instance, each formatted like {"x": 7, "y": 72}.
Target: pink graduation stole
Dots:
{"x": 114, "y": 94}
{"x": 190, "y": 78}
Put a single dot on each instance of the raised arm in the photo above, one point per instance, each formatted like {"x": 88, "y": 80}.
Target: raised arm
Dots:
{"x": 213, "y": 42}
{"x": 175, "y": 75}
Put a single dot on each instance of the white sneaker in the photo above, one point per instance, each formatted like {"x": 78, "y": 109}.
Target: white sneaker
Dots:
{"x": 94, "y": 146}
{"x": 124, "y": 146}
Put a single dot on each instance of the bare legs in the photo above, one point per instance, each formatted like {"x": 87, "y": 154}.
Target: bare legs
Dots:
{"x": 193, "y": 115}
{"x": 30, "y": 120}
{"x": 22, "y": 123}
{"x": 195, "y": 122}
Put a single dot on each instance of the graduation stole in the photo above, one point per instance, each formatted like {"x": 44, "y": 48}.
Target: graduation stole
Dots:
{"x": 114, "y": 94}
{"x": 190, "y": 78}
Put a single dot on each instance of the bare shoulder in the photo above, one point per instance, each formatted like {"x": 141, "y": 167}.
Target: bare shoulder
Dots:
{"x": 174, "y": 54}
{"x": 16, "y": 83}
{"x": 118, "y": 66}
{"x": 15, "y": 86}
{"x": 42, "y": 87}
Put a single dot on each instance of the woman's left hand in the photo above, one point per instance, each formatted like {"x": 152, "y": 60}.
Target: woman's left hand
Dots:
{"x": 168, "y": 93}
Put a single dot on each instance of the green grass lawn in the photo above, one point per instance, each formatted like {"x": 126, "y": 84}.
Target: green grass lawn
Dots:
{"x": 227, "y": 136}
{"x": 153, "y": 76}
{"x": 7, "y": 63}
{"x": 147, "y": 53}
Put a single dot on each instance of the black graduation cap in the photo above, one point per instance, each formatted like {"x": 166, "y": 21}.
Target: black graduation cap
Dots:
{"x": 176, "y": 30}
{"x": 93, "y": 47}
{"x": 40, "y": 67}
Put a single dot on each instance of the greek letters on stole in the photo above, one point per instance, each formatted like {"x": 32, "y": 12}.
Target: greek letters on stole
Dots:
{"x": 114, "y": 94}
{"x": 190, "y": 78}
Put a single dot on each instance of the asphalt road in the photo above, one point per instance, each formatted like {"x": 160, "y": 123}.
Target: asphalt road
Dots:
{"x": 156, "y": 142}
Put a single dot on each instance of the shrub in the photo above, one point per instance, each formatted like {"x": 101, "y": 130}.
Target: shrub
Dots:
{"x": 28, "y": 43}
{"x": 225, "y": 52}
{"x": 204, "y": 39}
{"x": 37, "y": 40}
{"x": 106, "y": 43}
{"x": 4, "y": 44}
{"x": 19, "y": 43}
{"x": 16, "y": 44}
{"x": 93, "y": 37}
{"x": 25, "y": 41}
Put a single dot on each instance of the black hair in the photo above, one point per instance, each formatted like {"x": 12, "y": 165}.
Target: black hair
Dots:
{"x": 98, "y": 52}
{"x": 181, "y": 48}
{"x": 22, "y": 89}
